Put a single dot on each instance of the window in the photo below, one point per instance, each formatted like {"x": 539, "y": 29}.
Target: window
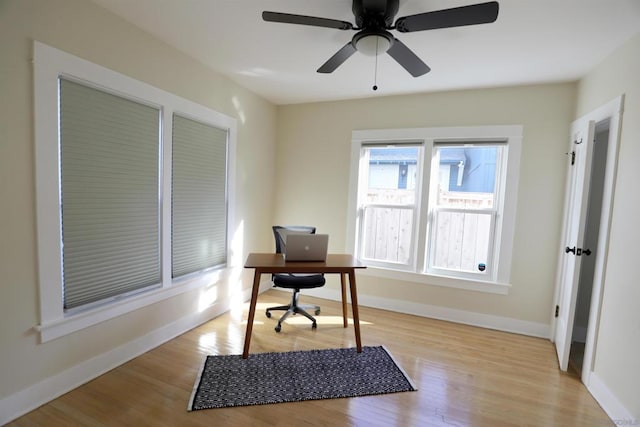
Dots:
{"x": 388, "y": 191}
{"x": 109, "y": 194}
{"x": 463, "y": 208}
{"x": 434, "y": 205}
{"x": 198, "y": 197}
{"x": 134, "y": 189}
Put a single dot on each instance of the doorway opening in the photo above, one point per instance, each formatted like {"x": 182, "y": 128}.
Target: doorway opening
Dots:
{"x": 593, "y": 154}
{"x": 592, "y": 231}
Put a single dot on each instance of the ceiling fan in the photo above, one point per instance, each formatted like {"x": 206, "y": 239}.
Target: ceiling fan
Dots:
{"x": 374, "y": 20}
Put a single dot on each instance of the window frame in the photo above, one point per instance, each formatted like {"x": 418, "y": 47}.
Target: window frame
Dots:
{"x": 173, "y": 194}
{"x": 510, "y": 134}
{"x": 362, "y": 185}
{"x": 50, "y": 64}
{"x": 72, "y": 241}
{"x": 496, "y": 216}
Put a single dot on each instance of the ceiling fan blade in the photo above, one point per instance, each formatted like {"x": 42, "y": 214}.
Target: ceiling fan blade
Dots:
{"x": 337, "y": 59}
{"x": 481, "y": 13}
{"x": 409, "y": 60}
{"x": 289, "y": 18}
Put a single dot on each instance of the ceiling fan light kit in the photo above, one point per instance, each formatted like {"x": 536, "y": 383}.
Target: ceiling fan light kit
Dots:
{"x": 372, "y": 43}
{"x": 373, "y": 21}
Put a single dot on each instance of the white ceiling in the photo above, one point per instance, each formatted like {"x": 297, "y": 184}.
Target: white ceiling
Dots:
{"x": 533, "y": 41}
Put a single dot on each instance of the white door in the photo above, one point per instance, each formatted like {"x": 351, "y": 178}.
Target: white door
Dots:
{"x": 576, "y": 203}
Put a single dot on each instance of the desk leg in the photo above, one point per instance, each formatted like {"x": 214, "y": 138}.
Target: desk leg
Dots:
{"x": 252, "y": 312}
{"x": 343, "y": 284}
{"x": 354, "y": 308}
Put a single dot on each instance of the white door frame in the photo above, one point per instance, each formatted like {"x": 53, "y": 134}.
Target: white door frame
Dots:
{"x": 613, "y": 111}
{"x": 574, "y": 226}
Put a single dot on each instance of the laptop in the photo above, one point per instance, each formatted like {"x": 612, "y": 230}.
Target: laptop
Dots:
{"x": 306, "y": 247}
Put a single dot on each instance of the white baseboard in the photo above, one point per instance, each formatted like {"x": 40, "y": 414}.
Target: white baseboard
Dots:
{"x": 610, "y": 403}
{"x": 26, "y": 400}
{"x": 506, "y": 324}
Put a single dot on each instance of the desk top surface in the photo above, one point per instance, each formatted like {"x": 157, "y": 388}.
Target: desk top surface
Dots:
{"x": 275, "y": 263}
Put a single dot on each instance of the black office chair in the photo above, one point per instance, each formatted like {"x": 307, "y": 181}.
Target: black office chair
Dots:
{"x": 294, "y": 281}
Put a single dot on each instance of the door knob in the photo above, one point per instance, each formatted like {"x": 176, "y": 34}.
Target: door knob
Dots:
{"x": 577, "y": 251}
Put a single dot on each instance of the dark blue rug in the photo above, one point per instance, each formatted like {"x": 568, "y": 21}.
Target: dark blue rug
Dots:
{"x": 295, "y": 376}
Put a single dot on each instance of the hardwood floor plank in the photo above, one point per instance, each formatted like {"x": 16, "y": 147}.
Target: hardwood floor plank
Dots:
{"x": 466, "y": 376}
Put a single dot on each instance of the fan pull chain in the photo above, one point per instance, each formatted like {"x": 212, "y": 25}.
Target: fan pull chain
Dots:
{"x": 375, "y": 72}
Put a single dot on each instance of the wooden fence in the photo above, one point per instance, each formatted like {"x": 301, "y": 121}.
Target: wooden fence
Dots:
{"x": 461, "y": 238}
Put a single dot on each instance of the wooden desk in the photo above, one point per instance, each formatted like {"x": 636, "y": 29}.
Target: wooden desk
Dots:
{"x": 271, "y": 263}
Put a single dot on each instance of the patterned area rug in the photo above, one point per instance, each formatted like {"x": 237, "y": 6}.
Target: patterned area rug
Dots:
{"x": 295, "y": 376}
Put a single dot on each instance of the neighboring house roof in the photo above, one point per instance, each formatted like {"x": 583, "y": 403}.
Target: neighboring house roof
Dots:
{"x": 452, "y": 155}
{"x": 407, "y": 155}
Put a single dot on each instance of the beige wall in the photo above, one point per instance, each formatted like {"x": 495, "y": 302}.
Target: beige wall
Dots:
{"x": 618, "y": 342}
{"x": 312, "y": 170}
{"x": 87, "y": 31}
{"x": 313, "y": 158}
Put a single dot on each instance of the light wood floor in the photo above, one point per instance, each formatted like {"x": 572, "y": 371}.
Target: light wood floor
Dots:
{"x": 466, "y": 376}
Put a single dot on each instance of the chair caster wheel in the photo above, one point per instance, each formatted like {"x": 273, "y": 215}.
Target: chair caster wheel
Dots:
{"x": 268, "y": 314}
{"x": 278, "y": 328}
{"x": 317, "y": 312}
{"x": 314, "y": 325}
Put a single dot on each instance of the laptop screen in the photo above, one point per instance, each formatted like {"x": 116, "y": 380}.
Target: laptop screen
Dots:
{"x": 306, "y": 247}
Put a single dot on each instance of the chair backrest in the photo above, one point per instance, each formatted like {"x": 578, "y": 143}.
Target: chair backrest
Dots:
{"x": 279, "y": 238}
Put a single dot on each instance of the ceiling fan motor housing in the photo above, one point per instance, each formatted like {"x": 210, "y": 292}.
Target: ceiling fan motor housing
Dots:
{"x": 375, "y": 13}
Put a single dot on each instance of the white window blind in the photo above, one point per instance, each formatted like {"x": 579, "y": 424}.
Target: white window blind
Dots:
{"x": 199, "y": 190}
{"x": 110, "y": 194}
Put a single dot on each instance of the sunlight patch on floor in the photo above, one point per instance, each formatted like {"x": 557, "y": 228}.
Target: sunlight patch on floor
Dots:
{"x": 255, "y": 322}
{"x": 301, "y": 320}
{"x": 321, "y": 320}
{"x": 208, "y": 341}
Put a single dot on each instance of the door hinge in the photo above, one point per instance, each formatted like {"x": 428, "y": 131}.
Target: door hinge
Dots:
{"x": 557, "y": 310}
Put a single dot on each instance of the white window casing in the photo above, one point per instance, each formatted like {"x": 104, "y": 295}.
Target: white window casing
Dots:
{"x": 502, "y": 217}
{"x": 50, "y": 67}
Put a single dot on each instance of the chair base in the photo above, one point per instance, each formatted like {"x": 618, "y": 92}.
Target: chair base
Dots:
{"x": 294, "y": 308}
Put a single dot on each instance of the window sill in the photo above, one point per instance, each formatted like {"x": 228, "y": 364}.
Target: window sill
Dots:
{"x": 435, "y": 280}
{"x": 70, "y": 323}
